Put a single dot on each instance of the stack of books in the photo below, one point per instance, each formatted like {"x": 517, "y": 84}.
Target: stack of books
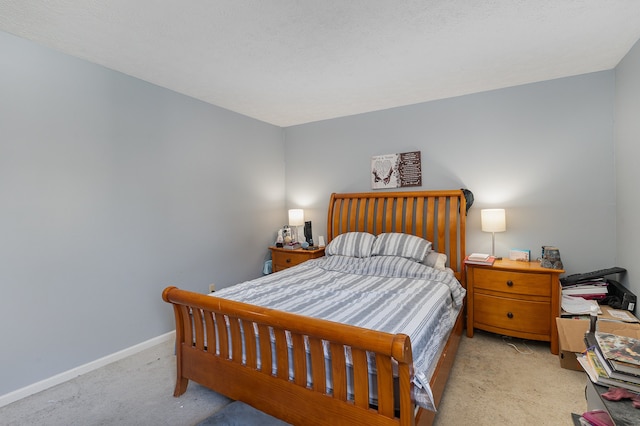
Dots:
{"x": 612, "y": 360}
{"x": 480, "y": 259}
{"x": 590, "y": 290}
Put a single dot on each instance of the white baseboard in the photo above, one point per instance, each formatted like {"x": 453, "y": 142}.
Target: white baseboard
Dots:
{"x": 82, "y": 369}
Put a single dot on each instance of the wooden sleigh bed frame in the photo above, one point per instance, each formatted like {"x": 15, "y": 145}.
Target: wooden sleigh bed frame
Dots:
{"x": 211, "y": 348}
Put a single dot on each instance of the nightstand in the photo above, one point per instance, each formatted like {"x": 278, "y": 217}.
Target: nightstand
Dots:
{"x": 519, "y": 299}
{"x": 282, "y": 258}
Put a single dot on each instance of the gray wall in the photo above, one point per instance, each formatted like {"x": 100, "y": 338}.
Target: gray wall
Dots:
{"x": 627, "y": 149}
{"x": 542, "y": 151}
{"x": 111, "y": 189}
{"x": 111, "y": 186}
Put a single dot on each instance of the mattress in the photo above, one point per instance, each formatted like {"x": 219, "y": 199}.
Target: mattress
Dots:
{"x": 384, "y": 293}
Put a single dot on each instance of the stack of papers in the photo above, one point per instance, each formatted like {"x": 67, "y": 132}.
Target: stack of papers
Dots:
{"x": 594, "y": 289}
{"x": 578, "y": 305}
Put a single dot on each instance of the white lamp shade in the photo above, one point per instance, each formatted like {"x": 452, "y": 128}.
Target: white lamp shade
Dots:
{"x": 296, "y": 217}
{"x": 493, "y": 220}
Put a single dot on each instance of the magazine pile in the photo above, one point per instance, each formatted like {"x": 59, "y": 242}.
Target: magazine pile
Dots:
{"x": 612, "y": 360}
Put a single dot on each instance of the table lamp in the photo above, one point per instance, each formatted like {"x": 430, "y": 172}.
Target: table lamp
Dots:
{"x": 493, "y": 220}
{"x": 296, "y": 218}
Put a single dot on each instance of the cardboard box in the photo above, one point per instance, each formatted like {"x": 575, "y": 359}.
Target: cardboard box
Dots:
{"x": 609, "y": 313}
{"x": 571, "y": 337}
{"x": 606, "y": 313}
{"x": 571, "y": 341}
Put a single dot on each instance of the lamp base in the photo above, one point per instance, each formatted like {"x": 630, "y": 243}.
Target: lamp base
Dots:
{"x": 493, "y": 244}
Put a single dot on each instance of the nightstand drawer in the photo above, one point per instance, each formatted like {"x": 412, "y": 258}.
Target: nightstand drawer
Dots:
{"x": 282, "y": 260}
{"x": 520, "y": 315}
{"x": 512, "y": 282}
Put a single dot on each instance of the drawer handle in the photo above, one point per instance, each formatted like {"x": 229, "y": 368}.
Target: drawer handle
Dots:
{"x": 288, "y": 260}
{"x": 510, "y": 283}
{"x": 509, "y": 315}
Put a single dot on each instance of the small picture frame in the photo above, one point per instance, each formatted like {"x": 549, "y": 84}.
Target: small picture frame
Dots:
{"x": 520, "y": 255}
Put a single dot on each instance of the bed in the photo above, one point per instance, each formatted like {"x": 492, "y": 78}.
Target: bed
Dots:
{"x": 316, "y": 370}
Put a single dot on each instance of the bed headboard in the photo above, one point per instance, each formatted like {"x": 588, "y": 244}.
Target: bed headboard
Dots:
{"x": 438, "y": 216}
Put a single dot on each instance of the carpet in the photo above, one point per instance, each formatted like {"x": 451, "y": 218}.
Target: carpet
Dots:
{"x": 240, "y": 414}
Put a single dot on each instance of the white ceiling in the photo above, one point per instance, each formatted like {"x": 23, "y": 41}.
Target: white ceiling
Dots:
{"x": 290, "y": 62}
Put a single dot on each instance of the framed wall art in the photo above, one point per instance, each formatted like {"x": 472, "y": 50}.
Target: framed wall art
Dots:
{"x": 396, "y": 170}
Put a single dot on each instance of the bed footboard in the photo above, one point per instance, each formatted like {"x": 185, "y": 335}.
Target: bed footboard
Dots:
{"x": 265, "y": 357}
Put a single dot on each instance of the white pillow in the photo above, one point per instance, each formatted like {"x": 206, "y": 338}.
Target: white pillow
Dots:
{"x": 403, "y": 245}
{"x": 436, "y": 260}
{"x": 354, "y": 244}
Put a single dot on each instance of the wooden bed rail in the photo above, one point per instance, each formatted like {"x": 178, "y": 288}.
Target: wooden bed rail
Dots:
{"x": 264, "y": 357}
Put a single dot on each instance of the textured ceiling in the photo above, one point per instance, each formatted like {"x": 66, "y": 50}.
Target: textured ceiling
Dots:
{"x": 289, "y": 62}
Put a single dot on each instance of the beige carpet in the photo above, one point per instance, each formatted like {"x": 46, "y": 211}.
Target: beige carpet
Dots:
{"x": 491, "y": 384}
{"x": 495, "y": 383}
{"x": 137, "y": 390}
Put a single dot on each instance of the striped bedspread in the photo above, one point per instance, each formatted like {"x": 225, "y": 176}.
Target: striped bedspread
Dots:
{"x": 384, "y": 293}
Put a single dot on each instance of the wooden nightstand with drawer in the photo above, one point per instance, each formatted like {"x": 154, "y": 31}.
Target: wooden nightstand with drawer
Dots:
{"x": 282, "y": 258}
{"x": 512, "y": 298}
